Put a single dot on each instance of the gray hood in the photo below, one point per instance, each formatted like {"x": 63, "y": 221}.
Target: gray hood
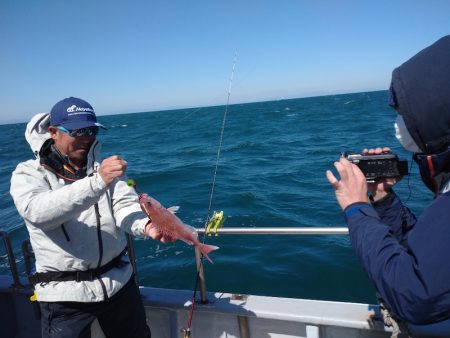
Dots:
{"x": 36, "y": 132}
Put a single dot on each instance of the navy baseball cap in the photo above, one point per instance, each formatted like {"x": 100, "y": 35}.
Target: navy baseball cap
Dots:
{"x": 73, "y": 113}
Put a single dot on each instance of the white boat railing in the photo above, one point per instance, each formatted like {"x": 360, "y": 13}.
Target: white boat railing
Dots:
{"x": 199, "y": 262}
{"x": 279, "y": 231}
{"x": 28, "y": 254}
{"x": 243, "y": 321}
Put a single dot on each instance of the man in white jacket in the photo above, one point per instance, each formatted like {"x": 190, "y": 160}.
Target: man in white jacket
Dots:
{"x": 77, "y": 209}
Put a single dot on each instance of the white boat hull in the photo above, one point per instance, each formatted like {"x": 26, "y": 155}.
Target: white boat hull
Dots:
{"x": 224, "y": 316}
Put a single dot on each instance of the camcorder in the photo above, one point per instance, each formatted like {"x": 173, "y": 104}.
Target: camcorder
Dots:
{"x": 379, "y": 166}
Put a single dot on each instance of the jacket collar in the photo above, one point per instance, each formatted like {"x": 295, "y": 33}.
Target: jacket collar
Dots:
{"x": 51, "y": 159}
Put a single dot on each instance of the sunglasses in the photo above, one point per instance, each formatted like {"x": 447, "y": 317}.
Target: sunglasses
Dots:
{"x": 88, "y": 131}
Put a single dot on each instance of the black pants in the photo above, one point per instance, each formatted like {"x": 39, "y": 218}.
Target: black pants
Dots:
{"x": 121, "y": 316}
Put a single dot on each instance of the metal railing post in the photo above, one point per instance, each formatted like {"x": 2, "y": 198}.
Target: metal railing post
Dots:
{"x": 201, "y": 276}
{"x": 244, "y": 330}
{"x": 11, "y": 260}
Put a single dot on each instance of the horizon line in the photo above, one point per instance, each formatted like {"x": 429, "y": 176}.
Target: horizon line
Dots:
{"x": 20, "y": 121}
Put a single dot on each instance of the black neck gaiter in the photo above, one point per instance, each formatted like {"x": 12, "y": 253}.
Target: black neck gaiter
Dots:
{"x": 53, "y": 160}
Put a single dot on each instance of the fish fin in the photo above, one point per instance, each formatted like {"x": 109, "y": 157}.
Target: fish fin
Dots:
{"x": 173, "y": 209}
{"x": 205, "y": 249}
{"x": 187, "y": 241}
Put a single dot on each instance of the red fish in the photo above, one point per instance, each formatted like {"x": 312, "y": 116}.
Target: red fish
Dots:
{"x": 169, "y": 224}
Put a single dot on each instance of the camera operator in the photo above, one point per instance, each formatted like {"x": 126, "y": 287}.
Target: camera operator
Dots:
{"x": 405, "y": 258}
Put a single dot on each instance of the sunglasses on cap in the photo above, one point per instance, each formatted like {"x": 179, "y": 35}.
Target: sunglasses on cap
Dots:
{"x": 88, "y": 131}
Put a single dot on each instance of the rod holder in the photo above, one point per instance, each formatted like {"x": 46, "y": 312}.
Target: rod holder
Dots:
{"x": 201, "y": 276}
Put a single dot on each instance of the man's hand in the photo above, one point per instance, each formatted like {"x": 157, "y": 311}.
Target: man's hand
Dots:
{"x": 352, "y": 187}
{"x": 383, "y": 187}
{"x": 111, "y": 168}
{"x": 152, "y": 232}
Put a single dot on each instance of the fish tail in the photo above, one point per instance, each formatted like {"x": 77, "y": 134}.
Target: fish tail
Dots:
{"x": 205, "y": 249}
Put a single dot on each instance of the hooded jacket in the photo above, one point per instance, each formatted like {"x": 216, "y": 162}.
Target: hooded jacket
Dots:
{"x": 74, "y": 226}
{"x": 407, "y": 259}
{"x": 420, "y": 91}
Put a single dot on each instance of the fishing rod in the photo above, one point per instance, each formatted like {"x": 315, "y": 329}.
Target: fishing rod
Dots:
{"x": 187, "y": 330}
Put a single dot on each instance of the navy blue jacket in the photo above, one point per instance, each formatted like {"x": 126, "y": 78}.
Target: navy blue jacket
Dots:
{"x": 406, "y": 258}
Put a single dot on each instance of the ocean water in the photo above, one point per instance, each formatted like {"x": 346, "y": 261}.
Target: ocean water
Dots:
{"x": 271, "y": 174}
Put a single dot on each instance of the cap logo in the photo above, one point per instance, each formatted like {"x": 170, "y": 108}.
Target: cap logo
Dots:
{"x": 74, "y": 109}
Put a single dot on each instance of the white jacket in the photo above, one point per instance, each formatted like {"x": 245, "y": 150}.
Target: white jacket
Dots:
{"x": 61, "y": 219}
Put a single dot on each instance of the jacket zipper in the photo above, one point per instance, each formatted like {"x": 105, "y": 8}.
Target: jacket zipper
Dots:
{"x": 65, "y": 232}
{"x": 99, "y": 235}
{"x": 100, "y": 249}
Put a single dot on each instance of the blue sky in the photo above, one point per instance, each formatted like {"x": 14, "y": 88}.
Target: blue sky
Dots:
{"x": 132, "y": 56}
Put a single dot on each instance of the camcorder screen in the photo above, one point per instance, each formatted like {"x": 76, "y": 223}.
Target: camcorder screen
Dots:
{"x": 380, "y": 166}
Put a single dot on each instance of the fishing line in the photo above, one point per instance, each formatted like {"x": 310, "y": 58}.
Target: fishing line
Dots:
{"x": 182, "y": 119}
{"x": 220, "y": 145}
{"x": 213, "y": 102}
{"x": 187, "y": 331}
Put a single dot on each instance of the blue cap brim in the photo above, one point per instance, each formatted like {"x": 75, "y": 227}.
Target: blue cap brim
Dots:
{"x": 82, "y": 124}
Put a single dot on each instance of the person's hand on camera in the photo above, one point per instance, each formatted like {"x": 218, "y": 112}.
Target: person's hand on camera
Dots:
{"x": 382, "y": 187}
{"x": 352, "y": 187}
